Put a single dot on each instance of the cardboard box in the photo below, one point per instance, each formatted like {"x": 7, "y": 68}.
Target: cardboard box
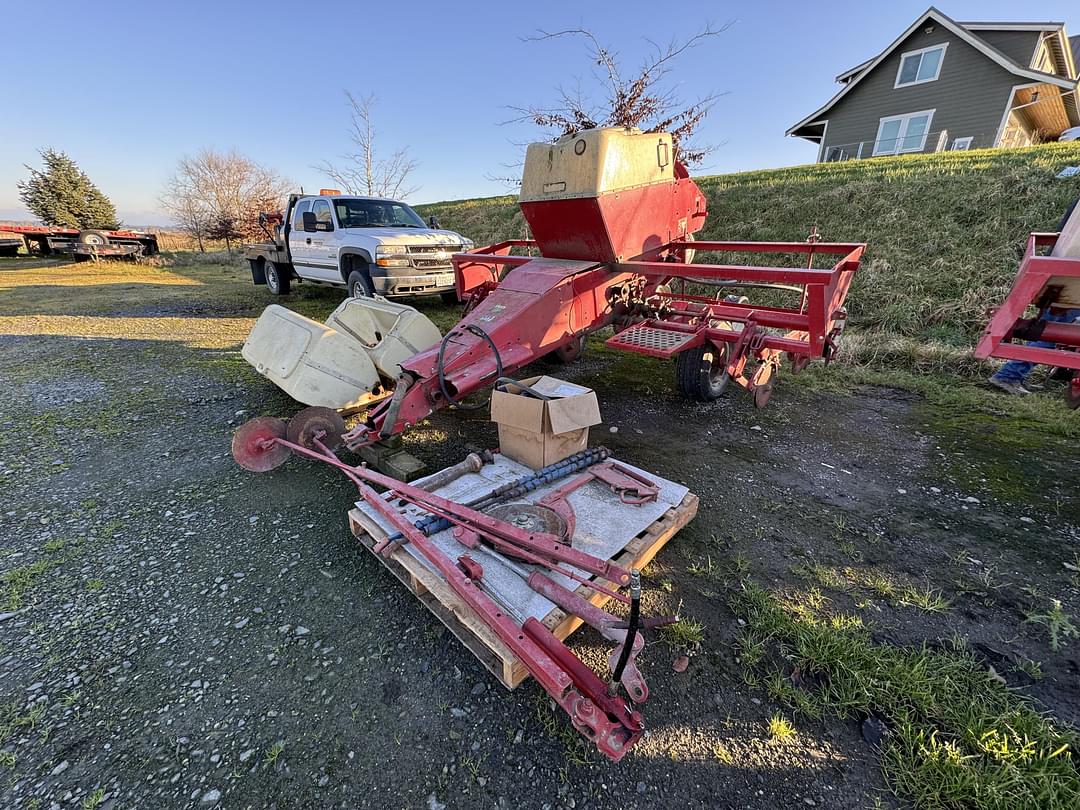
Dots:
{"x": 540, "y": 432}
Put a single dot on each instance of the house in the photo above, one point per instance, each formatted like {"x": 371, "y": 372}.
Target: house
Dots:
{"x": 952, "y": 85}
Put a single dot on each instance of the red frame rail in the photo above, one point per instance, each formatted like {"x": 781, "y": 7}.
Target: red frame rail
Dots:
{"x": 1039, "y": 282}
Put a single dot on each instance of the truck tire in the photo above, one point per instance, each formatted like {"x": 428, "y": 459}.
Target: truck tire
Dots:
{"x": 94, "y": 237}
{"x": 276, "y": 281}
{"x": 701, "y": 373}
{"x": 359, "y": 285}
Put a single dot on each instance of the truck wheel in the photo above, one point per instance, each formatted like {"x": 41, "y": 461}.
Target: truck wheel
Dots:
{"x": 359, "y": 285}
{"x": 276, "y": 281}
{"x": 701, "y": 372}
{"x": 97, "y": 238}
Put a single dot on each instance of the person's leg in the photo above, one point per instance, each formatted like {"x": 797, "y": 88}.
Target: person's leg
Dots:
{"x": 1015, "y": 372}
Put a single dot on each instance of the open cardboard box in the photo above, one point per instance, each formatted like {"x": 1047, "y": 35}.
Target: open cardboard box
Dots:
{"x": 540, "y": 432}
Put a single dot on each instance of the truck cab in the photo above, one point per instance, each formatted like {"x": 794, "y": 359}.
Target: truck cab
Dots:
{"x": 369, "y": 245}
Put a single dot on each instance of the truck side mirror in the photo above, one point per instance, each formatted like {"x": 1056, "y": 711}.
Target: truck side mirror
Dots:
{"x": 310, "y": 223}
{"x": 433, "y": 223}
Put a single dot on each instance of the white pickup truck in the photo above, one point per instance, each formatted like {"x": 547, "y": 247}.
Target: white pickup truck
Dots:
{"x": 368, "y": 245}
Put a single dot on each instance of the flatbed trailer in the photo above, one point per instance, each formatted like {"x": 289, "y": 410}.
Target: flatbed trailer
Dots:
{"x": 90, "y": 243}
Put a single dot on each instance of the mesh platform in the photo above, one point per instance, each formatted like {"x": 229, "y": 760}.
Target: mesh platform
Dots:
{"x": 650, "y": 340}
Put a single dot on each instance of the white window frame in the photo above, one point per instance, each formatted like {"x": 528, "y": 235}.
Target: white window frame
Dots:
{"x": 900, "y": 68}
{"x": 961, "y": 144}
{"x": 901, "y": 135}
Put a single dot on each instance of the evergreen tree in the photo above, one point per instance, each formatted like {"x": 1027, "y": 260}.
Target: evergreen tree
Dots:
{"x": 61, "y": 194}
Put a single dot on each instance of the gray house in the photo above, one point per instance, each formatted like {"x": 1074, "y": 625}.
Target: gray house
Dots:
{"x": 945, "y": 85}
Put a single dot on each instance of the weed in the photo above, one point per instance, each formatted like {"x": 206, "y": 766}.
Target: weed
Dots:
{"x": 95, "y": 584}
{"x": 928, "y": 599}
{"x": 780, "y": 728}
{"x": 1058, "y": 624}
{"x": 94, "y": 799}
{"x": 684, "y": 634}
{"x": 573, "y": 746}
{"x": 723, "y": 755}
{"x": 272, "y": 753}
{"x": 7, "y": 759}
{"x": 1031, "y": 668}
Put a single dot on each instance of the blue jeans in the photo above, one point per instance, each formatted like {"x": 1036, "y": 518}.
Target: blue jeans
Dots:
{"x": 1016, "y": 371}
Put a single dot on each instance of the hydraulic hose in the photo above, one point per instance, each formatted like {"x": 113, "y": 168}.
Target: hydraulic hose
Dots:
{"x": 631, "y": 630}
{"x": 441, "y": 370}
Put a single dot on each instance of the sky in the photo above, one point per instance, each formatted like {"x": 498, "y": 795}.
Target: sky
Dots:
{"x": 127, "y": 89}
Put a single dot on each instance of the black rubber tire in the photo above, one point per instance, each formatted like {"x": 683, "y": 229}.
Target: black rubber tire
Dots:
{"x": 359, "y": 285}
{"x": 276, "y": 281}
{"x": 94, "y": 237}
{"x": 449, "y": 297}
{"x": 701, "y": 372}
{"x": 1068, "y": 213}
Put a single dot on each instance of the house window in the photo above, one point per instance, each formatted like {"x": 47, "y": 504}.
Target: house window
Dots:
{"x": 919, "y": 67}
{"x": 961, "y": 144}
{"x": 903, "y": 133}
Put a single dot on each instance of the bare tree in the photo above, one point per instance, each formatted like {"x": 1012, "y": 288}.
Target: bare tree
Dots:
{"x": 211, "y": 187}
{"x": 364, "y": 171}
{"x": 641, "y": 101}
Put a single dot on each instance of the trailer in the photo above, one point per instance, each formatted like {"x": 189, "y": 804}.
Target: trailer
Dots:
{"x": 93, "y": 243}
{"x": 1048, "y": 282}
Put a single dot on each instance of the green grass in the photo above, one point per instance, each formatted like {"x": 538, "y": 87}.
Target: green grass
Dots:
{"x": 780, "y": 728}
{"x": 960, "y": 738}
{"x": 944, "y": 233}
{"x": 684, "y": 634}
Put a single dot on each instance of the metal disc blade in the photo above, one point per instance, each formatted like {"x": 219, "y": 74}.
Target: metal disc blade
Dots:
{"x": 253, "y": 447}
{"x": 531, "y": 518}
{"x": 324, "y": 424}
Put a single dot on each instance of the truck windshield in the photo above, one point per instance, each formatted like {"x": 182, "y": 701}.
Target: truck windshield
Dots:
{"x": 376, "y": 214}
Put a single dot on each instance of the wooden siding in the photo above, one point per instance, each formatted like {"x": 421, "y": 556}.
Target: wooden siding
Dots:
{"x": 969, "y": 96}
{"x": 1017, "y": 45}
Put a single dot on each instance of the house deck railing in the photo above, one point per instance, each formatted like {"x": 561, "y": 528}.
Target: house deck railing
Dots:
{"x": 940, "y": 141}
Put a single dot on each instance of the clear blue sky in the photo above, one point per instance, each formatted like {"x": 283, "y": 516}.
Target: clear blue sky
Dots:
{"x": 128, "y": 88}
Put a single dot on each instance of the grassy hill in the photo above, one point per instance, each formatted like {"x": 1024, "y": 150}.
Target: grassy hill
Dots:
{"x": 944, "y": 232}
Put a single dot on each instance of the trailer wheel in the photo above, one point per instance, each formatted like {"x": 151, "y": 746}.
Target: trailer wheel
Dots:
{"x": 97, "y": 238}
{"x": 359, "y": 285}
{"x": 701, "y": 372}
{"x": 276, "y": 281}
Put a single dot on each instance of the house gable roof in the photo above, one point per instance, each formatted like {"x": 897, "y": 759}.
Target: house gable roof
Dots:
{"x": 961, "y": 33}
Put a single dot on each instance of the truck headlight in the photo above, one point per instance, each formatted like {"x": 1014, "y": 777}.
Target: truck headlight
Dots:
{"x": 392, "y": 256}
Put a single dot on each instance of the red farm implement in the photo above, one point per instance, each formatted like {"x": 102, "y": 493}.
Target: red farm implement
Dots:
{"x": 613, "y": 218}
{"x": 1041, "y": 306}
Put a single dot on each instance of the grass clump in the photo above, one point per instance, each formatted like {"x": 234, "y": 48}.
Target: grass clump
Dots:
{"x": 780, "y": 728}
{"x": 961, "y": 738}
{"x": 684, "y": 634}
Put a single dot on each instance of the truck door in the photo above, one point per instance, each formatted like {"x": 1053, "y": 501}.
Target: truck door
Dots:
{"x": 315, "y": 254}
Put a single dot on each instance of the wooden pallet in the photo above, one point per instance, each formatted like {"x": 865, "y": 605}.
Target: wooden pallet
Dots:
{"x": 437, "y": 596}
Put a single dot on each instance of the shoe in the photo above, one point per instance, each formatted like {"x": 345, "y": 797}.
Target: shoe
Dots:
{"x": 1008, "y": 386}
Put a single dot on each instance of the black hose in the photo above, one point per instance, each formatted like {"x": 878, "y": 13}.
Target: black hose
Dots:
{"x": 631, "y": 630}
{"x": 441, "y": 371}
